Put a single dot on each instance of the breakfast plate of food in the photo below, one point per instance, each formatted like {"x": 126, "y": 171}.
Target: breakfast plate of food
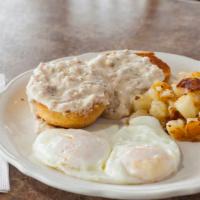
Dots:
{"x": 120, "y": 124}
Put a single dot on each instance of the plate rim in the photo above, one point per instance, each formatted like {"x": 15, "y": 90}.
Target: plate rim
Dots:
{"x": 169, "y": 192}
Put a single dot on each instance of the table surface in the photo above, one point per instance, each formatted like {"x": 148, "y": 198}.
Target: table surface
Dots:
{"x": 41, "y": 30}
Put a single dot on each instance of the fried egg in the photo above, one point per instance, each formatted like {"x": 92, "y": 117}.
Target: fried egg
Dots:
{"x": 71, "y": 149}
{"x": 140, "y": 152}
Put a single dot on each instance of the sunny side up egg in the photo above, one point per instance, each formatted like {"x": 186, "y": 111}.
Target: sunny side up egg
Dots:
{"x": 139, "y": 153}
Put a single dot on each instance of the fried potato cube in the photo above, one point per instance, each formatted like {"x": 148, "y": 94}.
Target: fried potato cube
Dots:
{"x": 161, "y": 91}
{"x": 178, "y": 91}
{"x": 159, "y": 110}
{"x": 141, "y": 102}
{"x": 188, "y": 120}
{"x": 192, "y": 130}
{"x": 173, "y": 113}
{"x": 186, "y": 106}
{"x": 189, "y": 84}
{"x": 196, "y": 98}
{"x": 195, "y": 74}
{"x": 176, "y": 129}
{"x": 180, "y": 130}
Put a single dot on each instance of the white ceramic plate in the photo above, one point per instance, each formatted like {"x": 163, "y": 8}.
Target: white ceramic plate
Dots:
{"x": 17, "y": 135}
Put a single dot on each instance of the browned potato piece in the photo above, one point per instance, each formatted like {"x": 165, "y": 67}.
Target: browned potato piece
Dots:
{"x": 196, "y": 98}
{"x": 189, "y": 84}
{"x": 180, "y": 130}
{"x": 173, "y": 113}
{"x": 159, "y": 110}
{"x": 178, "y": 91}
{"x": 186, "y": 106}
{"x": 176, "y": 129}
{"x": 192, "y": 130}
{"x": 141, "y": 102}
{"x": 195, "y": 74}
{"x": 161, "y": 91}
